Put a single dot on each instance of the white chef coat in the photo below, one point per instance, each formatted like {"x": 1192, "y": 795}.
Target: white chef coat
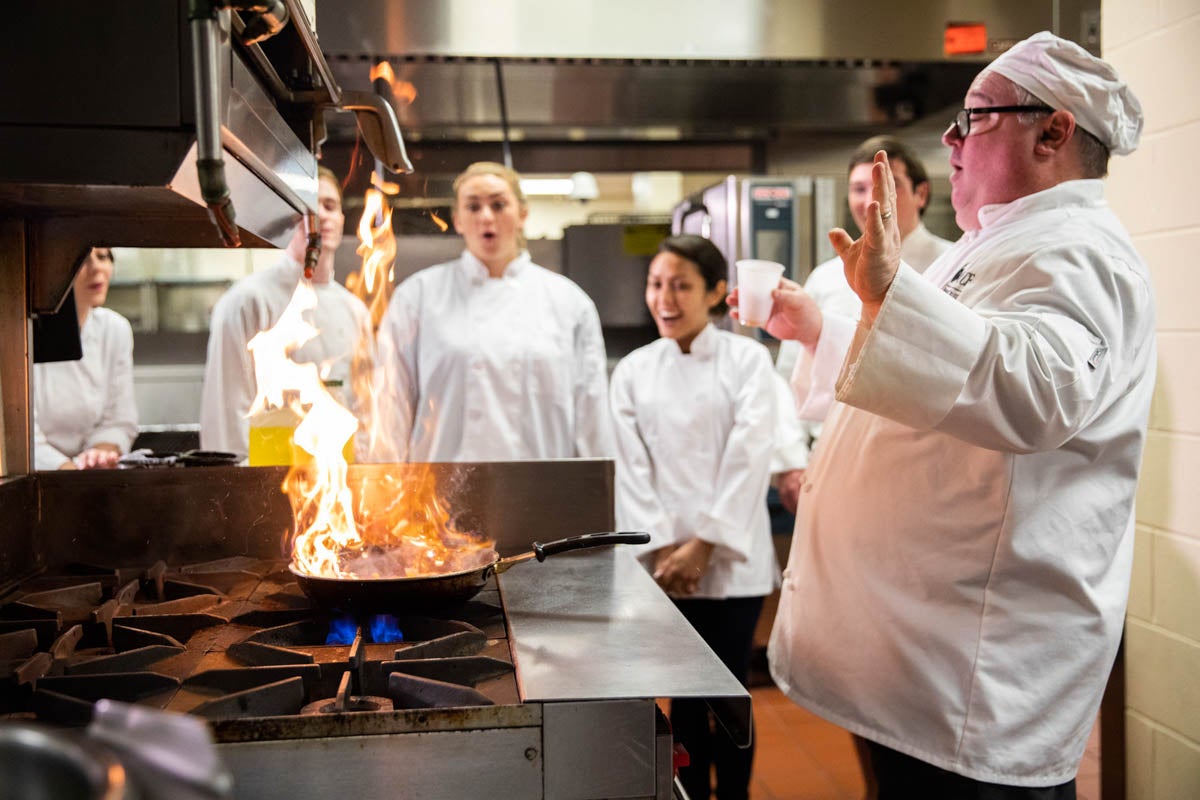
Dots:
{"x": 957, "y": 583}
{"x": 473, "y": 368}
{"x": 695, "y": 434}
{"x": 78, "y": 404}
{"x": 827, "y": 286}
{"x": 255, "y": 304}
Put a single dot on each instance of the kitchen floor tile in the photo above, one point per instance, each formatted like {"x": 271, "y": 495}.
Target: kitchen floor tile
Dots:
{"x": 800, "y": 756}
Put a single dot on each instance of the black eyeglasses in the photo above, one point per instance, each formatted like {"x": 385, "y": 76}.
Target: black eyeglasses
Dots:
{"x": 962, "y": 120}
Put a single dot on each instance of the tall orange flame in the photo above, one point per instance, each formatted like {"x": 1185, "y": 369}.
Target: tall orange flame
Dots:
{"x": 323, "y": 506}
{"x": 377, "y": 247}
{"x": 403, "y": 90}
{"x": 389, "y": 523}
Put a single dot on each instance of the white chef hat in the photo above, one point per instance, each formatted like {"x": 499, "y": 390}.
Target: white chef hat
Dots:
{"x": 1064, "y": 75}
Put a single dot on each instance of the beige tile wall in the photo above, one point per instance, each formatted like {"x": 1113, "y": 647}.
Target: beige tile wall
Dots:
{"x": 1156, "y": 46}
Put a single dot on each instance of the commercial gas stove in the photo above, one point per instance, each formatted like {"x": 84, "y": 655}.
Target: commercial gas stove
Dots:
{"x": 543, "y": 685}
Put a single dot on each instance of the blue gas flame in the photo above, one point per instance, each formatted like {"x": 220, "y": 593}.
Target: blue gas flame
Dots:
{"x": 385, "y": 629}
{"x": 342, "y": 630}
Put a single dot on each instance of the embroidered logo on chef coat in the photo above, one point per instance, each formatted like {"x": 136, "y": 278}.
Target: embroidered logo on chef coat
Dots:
{"x": 954, "y": 287}
{"x": 1098, "y": 354}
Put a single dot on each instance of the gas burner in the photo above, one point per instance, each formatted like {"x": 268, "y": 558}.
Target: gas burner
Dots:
{"x": 323, "y": 638}
{"x": 346, "y": 703}
{"x": 235, "y": 640}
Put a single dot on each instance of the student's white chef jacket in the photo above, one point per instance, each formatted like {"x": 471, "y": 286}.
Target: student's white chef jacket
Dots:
{"x": 474, "y": 368}
{"x": 695, "y": 437}
{"x": 254, "y": 304}
{"x": 957, "y": 583}
{"x": 78, "y": 404}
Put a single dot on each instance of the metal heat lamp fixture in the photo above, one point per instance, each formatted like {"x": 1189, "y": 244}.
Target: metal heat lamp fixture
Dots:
{"x": 264, "y": 20}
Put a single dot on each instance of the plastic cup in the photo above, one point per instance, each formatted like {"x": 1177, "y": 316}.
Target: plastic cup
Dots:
{"x": 756, "y": 279}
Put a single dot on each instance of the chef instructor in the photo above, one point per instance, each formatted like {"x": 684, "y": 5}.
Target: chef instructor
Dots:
{"x": 958, "y": 579}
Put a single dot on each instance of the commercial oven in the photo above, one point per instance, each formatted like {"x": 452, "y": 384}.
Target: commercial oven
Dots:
{"x": 780, "y": 219}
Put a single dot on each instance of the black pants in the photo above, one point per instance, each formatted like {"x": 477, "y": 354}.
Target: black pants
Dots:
{"x": 728, "y": 628}
{"x": 901, "y": 777}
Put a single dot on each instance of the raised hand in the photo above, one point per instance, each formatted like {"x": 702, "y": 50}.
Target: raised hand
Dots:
{"x": 872, "y": 260}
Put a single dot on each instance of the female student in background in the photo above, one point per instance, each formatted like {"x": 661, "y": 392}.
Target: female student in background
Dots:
{"x": 84, "y": 413}
{"x": 491, "y": 357}
{"x": 697, "y": 415}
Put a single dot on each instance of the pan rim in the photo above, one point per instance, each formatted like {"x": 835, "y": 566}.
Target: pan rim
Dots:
{"x": 408, "y": 578}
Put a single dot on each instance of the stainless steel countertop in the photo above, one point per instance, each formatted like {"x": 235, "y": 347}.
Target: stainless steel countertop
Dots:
{"x": 593, "y": 625}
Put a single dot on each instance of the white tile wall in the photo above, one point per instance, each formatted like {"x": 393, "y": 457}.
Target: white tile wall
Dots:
{"x": 1177, "y": 10}
{"x": 1176, "y": 569}
{"x": 1167, "y": 492}
{"x": 1139, "y": 757}
{"x": 1141, "y": 588}
{"x": 1172, "y": 258}
{"x": 1175, "y": 408}
{"x": 1125, "y": 21}
{"x": 1176, "y": 173}
{"x": 1176, "y": 767}
{"x": 1155, "y": 44}
{"x": 1160, "y": 677}
{"x": 1133, "y": 191}
{"x": 1161, "y": 67}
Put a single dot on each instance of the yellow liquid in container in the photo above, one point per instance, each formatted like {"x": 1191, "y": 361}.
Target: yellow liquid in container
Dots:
{"x": 271, "y": 441}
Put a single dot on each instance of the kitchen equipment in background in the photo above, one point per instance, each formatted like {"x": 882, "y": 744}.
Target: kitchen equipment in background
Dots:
{"x": 177, "y": 306}
{"x": 764, "y": 68}
{"x": 609, "y": 262}
{"x": 145, "y": 458}
{"x": 106, "y": 144}
{"x": 773, "y": 219}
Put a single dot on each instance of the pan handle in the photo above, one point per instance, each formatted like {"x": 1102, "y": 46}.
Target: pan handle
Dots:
{"x": 542, "y": 551}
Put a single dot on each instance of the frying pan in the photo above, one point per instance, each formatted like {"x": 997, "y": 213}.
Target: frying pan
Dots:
{"x": 393, "y": 594}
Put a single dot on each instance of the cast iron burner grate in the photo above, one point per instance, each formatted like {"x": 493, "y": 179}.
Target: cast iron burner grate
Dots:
{"x": 233, "y": 639}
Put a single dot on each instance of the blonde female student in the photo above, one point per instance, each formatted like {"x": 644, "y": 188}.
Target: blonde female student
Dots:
{"x": 698, "y": 414}
{"x": 491, "y": 357}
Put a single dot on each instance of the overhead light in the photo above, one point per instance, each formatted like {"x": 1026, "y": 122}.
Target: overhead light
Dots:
{"x": 580, "y": 186}
{"x": 583, "y": 186}
{"x": 557, "y": 187}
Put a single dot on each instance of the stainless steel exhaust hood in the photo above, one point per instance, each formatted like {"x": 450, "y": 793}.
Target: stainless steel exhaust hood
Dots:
{"x": 100, "y": 136}
{"x": 100, "y": 143}
{"x": 142, "y": 123}
{"x": 679, "y": 69}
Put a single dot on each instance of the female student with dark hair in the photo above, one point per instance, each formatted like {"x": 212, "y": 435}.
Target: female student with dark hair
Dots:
{"x": 697, "y": 414}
